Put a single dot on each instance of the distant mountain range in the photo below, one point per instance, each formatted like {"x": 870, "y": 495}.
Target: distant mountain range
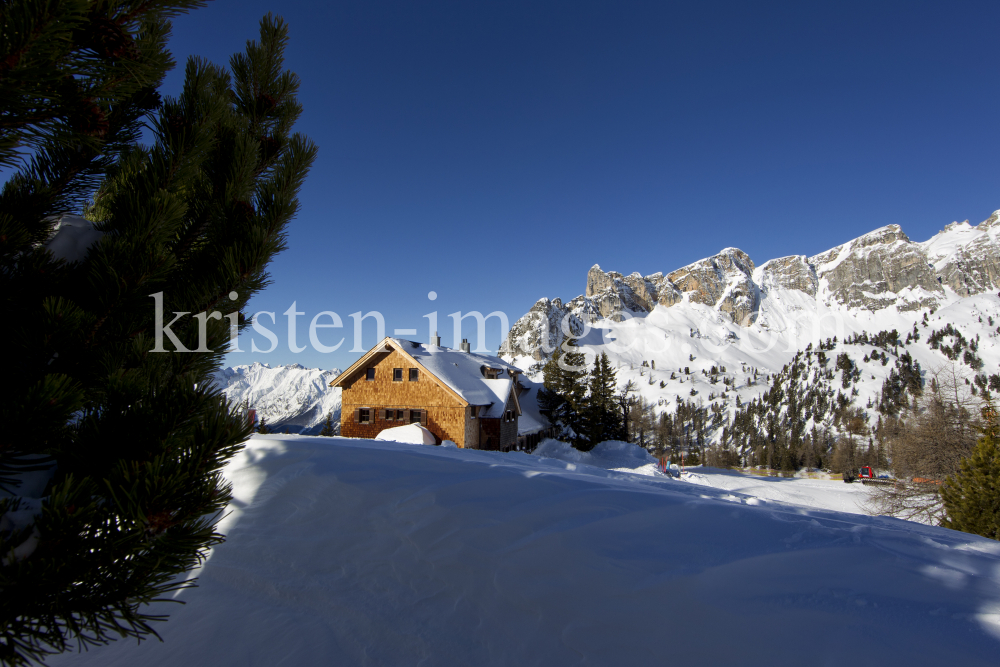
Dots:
{"x": 293, "y": 397}
{"x": 880, "y": 272}
{"x": 718, "y": 333}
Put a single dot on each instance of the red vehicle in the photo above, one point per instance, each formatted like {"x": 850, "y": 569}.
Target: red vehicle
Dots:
{"x": 867, "y": 476}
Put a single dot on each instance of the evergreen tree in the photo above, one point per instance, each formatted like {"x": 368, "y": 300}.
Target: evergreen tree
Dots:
{"x": 550, "y": 402}
{"x": 328, "y": 428}
{"x": 563, "y": 398}
{"x": 116, "y": 401}
{"x": 263, "y": 428}
{"x": 603, "y": 419}
{"x": 972, "y": 496}
{"x": 625, "y": 402}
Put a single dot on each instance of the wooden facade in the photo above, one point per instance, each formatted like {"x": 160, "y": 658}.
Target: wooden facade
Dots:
{"x": 389, "y": 387}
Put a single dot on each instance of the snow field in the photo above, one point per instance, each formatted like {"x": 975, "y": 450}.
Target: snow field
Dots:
{"x": 360, "y": 552}
{"x": 825, "y": 494}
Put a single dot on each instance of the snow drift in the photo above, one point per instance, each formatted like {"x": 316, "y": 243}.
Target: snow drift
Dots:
{"x": 360, "y": 552}
{"x": 411, "y": 434}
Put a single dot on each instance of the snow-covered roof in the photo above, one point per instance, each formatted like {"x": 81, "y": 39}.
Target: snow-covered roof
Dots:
{"x": 462, "y": 371}
{"x": 531, "y": 419}
{"x": 500, "y": 388}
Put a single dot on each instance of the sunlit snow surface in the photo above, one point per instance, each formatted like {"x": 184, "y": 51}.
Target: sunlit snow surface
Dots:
{"x": 357, "y": 552}
{"x": 749, "y": 489}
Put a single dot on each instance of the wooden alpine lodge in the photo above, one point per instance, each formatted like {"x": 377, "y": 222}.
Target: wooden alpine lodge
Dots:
{"x": 468, "y": 398}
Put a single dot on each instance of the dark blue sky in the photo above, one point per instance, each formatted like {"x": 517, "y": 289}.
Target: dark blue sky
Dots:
{"x": 494, "y": 151}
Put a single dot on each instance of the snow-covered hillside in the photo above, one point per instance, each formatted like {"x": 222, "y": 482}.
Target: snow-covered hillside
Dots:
{"x": 359, "y": 552}
{"x": 668, "y": 333}
{"x": 288, "y": 397}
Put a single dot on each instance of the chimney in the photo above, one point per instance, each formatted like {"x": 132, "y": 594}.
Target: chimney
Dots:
{"x": 465, "y": 345}
{"x": 436, "y": 340}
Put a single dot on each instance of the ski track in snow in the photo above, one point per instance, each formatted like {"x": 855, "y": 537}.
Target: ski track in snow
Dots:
{"x": 359, "y": 552}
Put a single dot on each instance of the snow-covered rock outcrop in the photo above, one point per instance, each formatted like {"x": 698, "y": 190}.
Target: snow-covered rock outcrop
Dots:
{"x": 789, "y": 273}
{"x": 723, "y": 282}
{"x": 964, "y": 257}
{"x": 880, "y": 269}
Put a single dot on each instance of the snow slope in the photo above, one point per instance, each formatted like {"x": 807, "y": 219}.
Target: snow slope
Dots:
{"x": 827, "y": 494}
{"x": 289, "y": 397}
{"x": 354, "y": 552}
{"x": 667, "y": 338}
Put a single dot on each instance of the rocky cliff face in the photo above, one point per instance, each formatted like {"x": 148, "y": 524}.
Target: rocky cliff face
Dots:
{"x": 968, "y": 267}
{"x": 882, "y": 269}
{"x": 544, "y": 327}
{"x": 536, "y": 334}
{"x": 878, "y": 270}
{"x": 724, "y": 282}
{"x": 789, "y": 273}
{"x": 611, "y": 293}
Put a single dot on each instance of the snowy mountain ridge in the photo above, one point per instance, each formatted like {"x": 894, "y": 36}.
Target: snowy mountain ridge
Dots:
{"x": 715, "y": 333}
{"x": 877, "y": 271}
{"x": 290, "y": 397}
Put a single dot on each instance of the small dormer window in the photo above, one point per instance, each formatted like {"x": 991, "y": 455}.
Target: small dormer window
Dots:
{"x": 370, "y": 374}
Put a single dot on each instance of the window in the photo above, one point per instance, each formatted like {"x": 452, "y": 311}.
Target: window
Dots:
{"x": 475, "y": 411}
{"x": 364, "y": 415}
{"x": 414, "y": 374}
{"x": 370, "y": 374}
{"x": 510, "y": 415}
{"x": 397, "y": 374}
{"x": 415, "y": 416}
